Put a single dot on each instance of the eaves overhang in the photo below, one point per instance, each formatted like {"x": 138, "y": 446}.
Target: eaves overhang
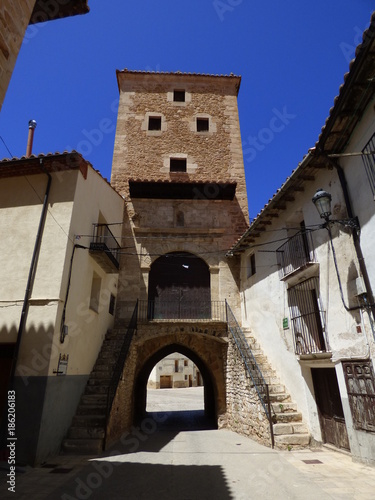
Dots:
{"x": 45, "y": 10}
{"x": 354, "y": 96}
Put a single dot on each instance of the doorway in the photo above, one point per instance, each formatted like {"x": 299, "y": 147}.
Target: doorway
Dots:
{"x": 331, "y": 413}
{"x": 179, "y": 287}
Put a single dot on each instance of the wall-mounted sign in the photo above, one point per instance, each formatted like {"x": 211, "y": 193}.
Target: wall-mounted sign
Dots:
{"x": 285, "y": 323}
{"x": 62, "y": 364}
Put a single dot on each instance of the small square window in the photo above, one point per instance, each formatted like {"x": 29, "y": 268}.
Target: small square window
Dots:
{"x": 251, "y": 267}
{"x": 154, "y": 122}
{"x": 177, "y": 164}
{"x": 202, "y": 124}
{"x": 179, "y": 95}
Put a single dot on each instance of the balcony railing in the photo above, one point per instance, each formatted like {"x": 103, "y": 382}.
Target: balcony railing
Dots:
{"x": 307, "y": 317}
{"x": 149, "y": 310}
{"x": 295, "y": 253}
{"x": 105, "y": 249}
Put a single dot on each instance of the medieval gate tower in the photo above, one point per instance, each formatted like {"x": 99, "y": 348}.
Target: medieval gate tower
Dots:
{"x": 178, "y": 163}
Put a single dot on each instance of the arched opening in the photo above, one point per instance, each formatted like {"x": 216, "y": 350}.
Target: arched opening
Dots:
{"x": 179, "y": 287}
{"x": 140, "y": 400}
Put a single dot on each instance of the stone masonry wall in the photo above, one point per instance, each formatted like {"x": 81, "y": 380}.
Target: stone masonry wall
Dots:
{"x": 245, "y": 414}
{"x": 14, "y": 19}
{"x": 151, "y": 226}
{"x": 141, "y": 154}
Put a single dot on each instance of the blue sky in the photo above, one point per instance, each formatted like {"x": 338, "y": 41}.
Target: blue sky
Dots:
{"x": 292, "y": 56}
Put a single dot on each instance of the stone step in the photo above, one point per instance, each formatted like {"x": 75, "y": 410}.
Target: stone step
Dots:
{"x": 115, "y": 335}
{"x": 292, "y": 440}
{"x": 86, "y": 433}
{"x": 92, "y": 409}
{"x": 284, "y": 407}
{"x": 276, "y": 388}
{"x": 98, "y": 381}
{"x": 281, "y": 429}
{"x": 104, "y": 362}
{"x": 96, "y": 389}
{"x": 280, "y": 397}
{"x": 83, "y": 446}
{"x": 91, "y": 399}
{"x": 286, "y": 417}
{"x": 102, "y": 373}
{"x": 108, "y": 355}
{"x": 89, "y": 420}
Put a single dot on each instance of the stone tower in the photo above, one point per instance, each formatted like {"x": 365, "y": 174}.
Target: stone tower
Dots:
{"x": 178, "y": 163}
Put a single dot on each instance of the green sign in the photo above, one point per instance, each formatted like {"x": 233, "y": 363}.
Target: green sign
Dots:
{"x": 285, "y": 323}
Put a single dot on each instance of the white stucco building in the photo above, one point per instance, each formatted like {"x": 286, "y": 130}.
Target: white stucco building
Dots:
{"x": 174, "y": 371}
{"x": 58, "y": 273}
{"x": 307, "y": 285}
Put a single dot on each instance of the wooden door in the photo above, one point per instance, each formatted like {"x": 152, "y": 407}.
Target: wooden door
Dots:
{"x": 179, "y": 287}
{"x": 165, "y": 381}
{"x": 331, "y": 414}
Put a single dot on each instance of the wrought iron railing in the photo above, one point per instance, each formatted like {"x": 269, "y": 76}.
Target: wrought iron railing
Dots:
{"x": 149, "y": 310}
{"x": 295, "y": 253}
{"x": 307, "y": 317}
{"x": 252, "y": 367}
{"x": 308, "y": 333}
{"x": 103, "y": 240}
{"x": 119, "y": 366}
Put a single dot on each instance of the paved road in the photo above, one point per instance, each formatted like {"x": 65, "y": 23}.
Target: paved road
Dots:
{"x": 155, "y": 464}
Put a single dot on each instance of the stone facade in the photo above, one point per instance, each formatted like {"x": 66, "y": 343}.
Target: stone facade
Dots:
{"x": 245, "y": 414}
{"x": 200, "y": 220}
{"x": 14, "y": 19}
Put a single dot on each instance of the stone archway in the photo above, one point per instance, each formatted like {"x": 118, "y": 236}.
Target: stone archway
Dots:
{"x": 140, "y": 385}
{"x": 204, "y": 343}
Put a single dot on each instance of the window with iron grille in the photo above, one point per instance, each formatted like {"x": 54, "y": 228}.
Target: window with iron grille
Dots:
{"x": 307, "y": 317}
{"x": 360, "y": 384}
{"x": 369, "y": 162}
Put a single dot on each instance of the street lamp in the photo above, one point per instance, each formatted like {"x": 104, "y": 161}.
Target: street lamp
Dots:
{"x": 322, "y": 201}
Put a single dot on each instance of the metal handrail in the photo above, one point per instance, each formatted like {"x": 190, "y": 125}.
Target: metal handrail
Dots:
{"x": 251, "y": 365}
{"x": 117, "y": 372}
{"x": 150, "y": 310}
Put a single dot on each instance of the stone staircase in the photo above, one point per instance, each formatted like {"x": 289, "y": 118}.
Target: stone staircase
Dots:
{"x": 87, "y": 431}
{"x": 289, "y": 430}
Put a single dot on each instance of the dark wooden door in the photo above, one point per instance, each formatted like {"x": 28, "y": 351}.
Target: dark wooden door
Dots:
{"x": 179, "y": 287}
{"x": 331, "y": 414}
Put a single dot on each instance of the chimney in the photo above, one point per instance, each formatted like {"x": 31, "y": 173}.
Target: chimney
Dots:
{"x": 29, "y": 148}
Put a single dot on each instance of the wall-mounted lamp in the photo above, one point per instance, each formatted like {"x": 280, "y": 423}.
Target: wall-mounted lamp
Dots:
{"x": 322, "y": 201}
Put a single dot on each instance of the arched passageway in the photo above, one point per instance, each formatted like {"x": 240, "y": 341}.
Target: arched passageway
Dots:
{"x": 179, "y": 287}
{"x": 140, "y": 403}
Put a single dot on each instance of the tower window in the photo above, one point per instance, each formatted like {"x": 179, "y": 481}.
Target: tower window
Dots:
{"x": 154, "y": 122}
{"x": 177, "y": 164}
{"x": 179, "y": 95}
{"x": 202, "y": 124}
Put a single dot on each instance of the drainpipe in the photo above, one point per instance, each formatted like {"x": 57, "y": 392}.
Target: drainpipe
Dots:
{"x": 32, "y": 272}
{"x": 356, "y": 240}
